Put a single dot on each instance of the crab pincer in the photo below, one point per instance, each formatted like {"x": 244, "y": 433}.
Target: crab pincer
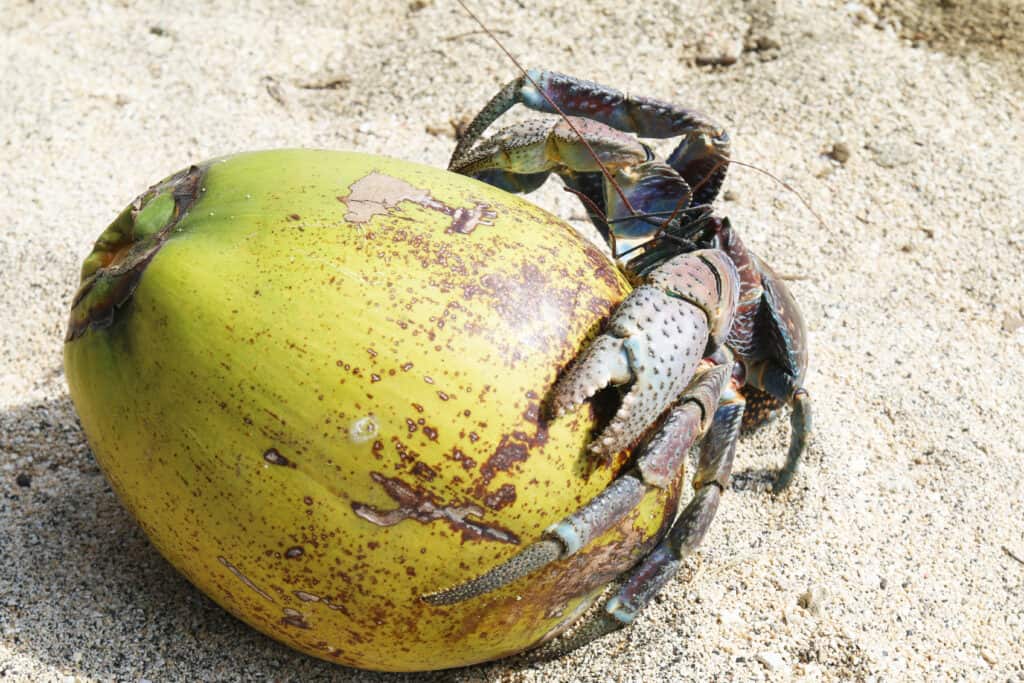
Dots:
{"x": 653, "y": 347}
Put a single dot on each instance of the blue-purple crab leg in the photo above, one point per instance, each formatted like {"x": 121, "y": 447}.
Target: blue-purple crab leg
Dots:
{"x": 714, "y": 466}
{"x": 654, "y": 342}
{"x": 783, "y": 379}
{"x": 781, "y": 386}
{"x": 770, "y": 339}
{"x": 645, "y": 581}
{"x": 701, "y": 157}
{"x": 660, "y": 464}
{"x": 781, "y": 373}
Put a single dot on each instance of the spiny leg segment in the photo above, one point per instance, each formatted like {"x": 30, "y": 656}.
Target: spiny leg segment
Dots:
{"x": 646, "y": 580}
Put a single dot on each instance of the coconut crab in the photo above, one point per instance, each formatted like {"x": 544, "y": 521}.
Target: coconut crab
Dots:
{"x": 710, "y": 341}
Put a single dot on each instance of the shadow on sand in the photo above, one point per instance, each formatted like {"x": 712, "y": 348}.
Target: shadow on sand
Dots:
{"x": 83, "y": 592}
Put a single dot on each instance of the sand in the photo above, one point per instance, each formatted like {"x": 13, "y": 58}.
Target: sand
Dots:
{"x": 899, "y": 552}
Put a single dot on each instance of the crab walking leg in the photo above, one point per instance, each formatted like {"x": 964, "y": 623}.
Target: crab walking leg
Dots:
{"x": 782, "y": 373}
{"x": 802, "y": 426}
{"x": 646, "y": 580}
{"x": 660, "y": 466}
{"x": 560, "y": 541}
{"x": 769, "y": 337}
{"x": 714, "y": 466}
{"x": 781, "y": 385}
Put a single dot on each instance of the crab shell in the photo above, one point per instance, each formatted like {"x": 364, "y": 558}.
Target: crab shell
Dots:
{"x": 316, "y": 379}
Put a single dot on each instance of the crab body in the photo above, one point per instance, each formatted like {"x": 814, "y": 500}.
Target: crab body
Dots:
{"x": 709, "y": 342}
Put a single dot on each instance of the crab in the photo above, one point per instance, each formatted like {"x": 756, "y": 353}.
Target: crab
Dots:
{"x": 709, "y": 343}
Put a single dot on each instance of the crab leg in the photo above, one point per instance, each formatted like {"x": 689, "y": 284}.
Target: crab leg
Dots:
{"x": 714, "y": 465}
{"x": 655, "y": 340}
{"x": 699, "y": 158}
{"x": 660, "y": 465}
{"x": 560, "y": 541}
{"x": 802, "y": 427}
{"x": 769, "y": 337}
{"x": 520, "y": 157}
{"x": 780, "y": 385}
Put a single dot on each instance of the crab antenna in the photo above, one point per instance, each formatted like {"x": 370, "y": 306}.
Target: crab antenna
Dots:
{"x": 728, "y": 160}
{"x": 604, "y": 169}
{"x": 591, "y": 205}
{"x": 786, "y": 185}
{"x": 690, "y": 192}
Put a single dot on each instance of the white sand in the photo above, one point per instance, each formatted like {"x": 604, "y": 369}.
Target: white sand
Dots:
{"x": 902, "y": 524}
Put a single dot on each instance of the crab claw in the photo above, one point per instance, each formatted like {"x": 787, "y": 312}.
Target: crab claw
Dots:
{"x": 653, "y": 343}
{"x": 655, "y": 340}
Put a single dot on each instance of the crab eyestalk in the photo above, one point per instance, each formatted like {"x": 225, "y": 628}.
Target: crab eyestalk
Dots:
{"x": 111, "y": 272}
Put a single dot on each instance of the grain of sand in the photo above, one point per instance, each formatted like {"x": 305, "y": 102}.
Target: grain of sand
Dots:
{"x": 893, "y": 556}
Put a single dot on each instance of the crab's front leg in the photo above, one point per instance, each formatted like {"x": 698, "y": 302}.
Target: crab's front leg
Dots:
{"x": 654, "y": 344}
{"x": 700, "y": 158}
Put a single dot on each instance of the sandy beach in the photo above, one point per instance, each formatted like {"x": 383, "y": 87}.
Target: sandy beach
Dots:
{"x": 898, "y": 553}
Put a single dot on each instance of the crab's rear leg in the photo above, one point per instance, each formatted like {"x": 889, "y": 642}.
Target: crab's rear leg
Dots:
{"x": 700, "y": 158}
{"x": 778, "y": 387}
{"x": 778, "y": 367}
{"x": 769, "y": 338}
{"x": 645, "y": 581}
